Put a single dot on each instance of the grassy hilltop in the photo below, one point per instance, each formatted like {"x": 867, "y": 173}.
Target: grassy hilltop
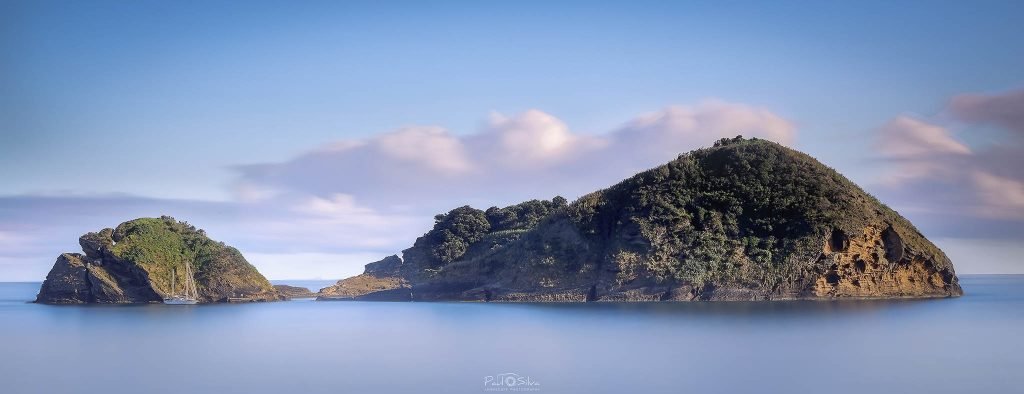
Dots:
{"x": 135, "y": 262}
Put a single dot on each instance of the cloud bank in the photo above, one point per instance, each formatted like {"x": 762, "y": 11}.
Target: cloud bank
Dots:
{"x": 1002, "y": 109}
{"x": 350, "y": 199}
{"x": 511, "y": 158}
{"x": 290, "y": 240}
{"x": 975, "y": 191}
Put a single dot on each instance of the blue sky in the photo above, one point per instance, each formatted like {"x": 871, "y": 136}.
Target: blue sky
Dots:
{"x": 186, "y": 107}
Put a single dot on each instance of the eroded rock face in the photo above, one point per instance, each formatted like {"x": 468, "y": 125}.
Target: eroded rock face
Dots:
{"x": 79, "y": 279}
{"x": 93, "y": 244}
{"x": 67, "y": 282}
{"x": 135, "y": 263}
{"x": 877, "y": 264}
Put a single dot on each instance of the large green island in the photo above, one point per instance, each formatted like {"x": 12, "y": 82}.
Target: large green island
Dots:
{"x": 746, "y": 219}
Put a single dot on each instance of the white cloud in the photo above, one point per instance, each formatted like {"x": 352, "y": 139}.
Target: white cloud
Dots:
{"x": 311, "y": 265}
{"x": 677, "y": 129}
{"x": 347, "y": 194}
{"x": 334, "y": 224}
{"x": 999, "y": 197}
{"x": 251, "y": 192}
{"x": 710, "y": 120}
{"x": 906, "y": 137}
{"x": 997, "y": 256}
{"x": 7, "y": 239}
{"x": 336, "y": 207}
{"x": 934, "y": 172}
{"x": 285, "y": 224}
{"x": 920, "y": 149}
{"x": 432, "y": 147}
{"x": 530, "y": 140}
{"x": 513, "y": 158}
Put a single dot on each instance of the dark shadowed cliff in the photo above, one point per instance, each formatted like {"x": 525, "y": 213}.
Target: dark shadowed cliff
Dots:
{"x": 135, "y": 263}
{"x": 743, "y": 220}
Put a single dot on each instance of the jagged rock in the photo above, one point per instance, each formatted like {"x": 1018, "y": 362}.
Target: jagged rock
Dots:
{"x": 68, "y": 281}
{"x": 389, "y": 266}
{"x": 135, "y": 262}
{"x": 381, "y": 280}
{"x": 368, "y": 286}
{"x": 94, "y": 243}
{"x": 743, "y": 220}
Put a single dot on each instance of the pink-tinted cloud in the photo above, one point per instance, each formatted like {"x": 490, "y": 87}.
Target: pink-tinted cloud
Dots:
{"x": 712, "y": 118}
{"x": 907, "y": 137}
{"x": 363, "y": 199}
{"x": 34, "y": 230}
{"x": 935, "y": 173}
{"x": 1000, "y": 197}
{"x": 513, "y": 158}
{"x": 1003, "y": 109}
{"x": 430, "y": 147}
{"x": 528, "y": 141}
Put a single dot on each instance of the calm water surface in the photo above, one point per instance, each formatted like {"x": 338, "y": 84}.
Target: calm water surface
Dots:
{"x": 972, "y": 344}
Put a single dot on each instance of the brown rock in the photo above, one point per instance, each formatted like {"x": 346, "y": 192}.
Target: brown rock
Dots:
{"x": 294, "y": 291}
{"x": 139, "y": 261}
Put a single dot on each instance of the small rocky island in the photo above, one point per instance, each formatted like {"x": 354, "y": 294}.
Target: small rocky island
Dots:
{"x": 746, "y": 219}
{"x": 290, "y": 292}
{"x": 140, "y": 260}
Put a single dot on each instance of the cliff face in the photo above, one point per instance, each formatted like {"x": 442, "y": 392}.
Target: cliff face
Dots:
{"x": 877, "y": 262}
{"x": 135, "y": 263}
{"x": 743, "y": 220}
{"x": 381, "y": 280}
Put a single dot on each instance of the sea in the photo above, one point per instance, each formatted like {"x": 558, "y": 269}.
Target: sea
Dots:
{"x": 970, "y": 344}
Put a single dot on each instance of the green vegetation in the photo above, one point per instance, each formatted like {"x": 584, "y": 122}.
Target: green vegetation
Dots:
{"x": 524, "y": 215}
{"x": 455, "y": 232}
{"x": 745, "y": 212}
{"x": 162, "y": 246}
{"x": 732, "y": 213}
{"x": 138, "y": 261}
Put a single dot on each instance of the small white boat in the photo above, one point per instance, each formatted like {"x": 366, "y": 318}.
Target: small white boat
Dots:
{"x": 180, "y": 300}
{"x": 190, "y": 296}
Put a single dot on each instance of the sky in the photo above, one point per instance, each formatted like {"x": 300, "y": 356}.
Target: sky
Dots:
{"x": 320, "y": 136}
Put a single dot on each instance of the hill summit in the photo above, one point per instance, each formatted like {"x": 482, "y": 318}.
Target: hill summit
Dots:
{"x": 746, "y": 219}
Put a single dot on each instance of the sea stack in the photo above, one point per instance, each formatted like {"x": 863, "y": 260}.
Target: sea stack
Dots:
{"x": 744, "y": 220}
{"x": 139, "y": 261}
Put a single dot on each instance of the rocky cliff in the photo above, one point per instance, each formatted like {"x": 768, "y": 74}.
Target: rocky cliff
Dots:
{"x": 381, "y": 280}
{"x": 743, "y": 220}
{"x": 135, "y": 263}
